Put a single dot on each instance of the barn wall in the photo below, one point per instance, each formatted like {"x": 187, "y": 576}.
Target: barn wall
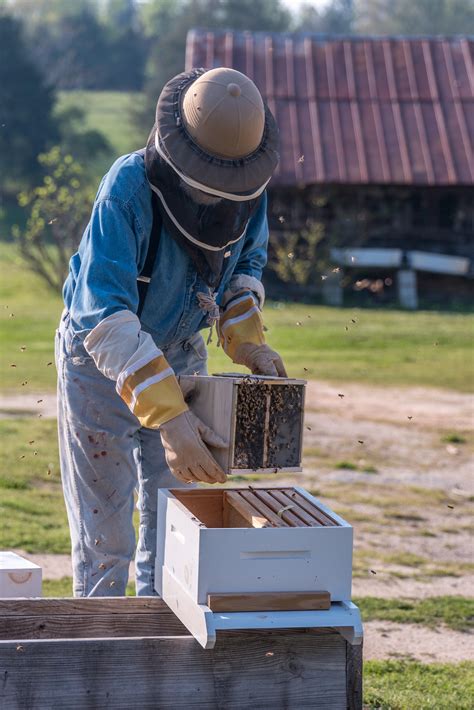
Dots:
{"x": 438, "y": 220}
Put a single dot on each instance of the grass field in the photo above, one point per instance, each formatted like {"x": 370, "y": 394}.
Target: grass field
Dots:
{"x": 406, "y": 685}
{"x": 379, "y": 347}
{"x": 455, "y": 612}
{"x": 109, "y": 112}
{"x": 31, "y": 501}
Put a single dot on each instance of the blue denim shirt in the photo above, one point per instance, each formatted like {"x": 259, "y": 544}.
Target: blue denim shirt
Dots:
{"x": 103, "y": 272}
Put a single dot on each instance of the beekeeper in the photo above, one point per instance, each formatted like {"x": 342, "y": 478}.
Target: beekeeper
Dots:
{"x": 176, "y": 243}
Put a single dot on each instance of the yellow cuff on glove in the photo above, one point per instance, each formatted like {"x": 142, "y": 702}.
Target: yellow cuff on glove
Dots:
{"x": 241, "y": 323}
{"x": 152, "y": 392}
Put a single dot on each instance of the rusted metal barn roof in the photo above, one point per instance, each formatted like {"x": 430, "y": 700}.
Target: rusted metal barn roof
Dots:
{"x": 358, "y": 110}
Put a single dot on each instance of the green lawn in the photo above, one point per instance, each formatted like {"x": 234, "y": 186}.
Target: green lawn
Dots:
{"x": 63, "y": 588}
{"x": 380, "y": 347}
{"x": 109, "y": 112}
{"x": 31, "y": 501}
{"x": 455, "y": 612}
{"x": 407, "y": 685}
{"x": 29, "y": 314}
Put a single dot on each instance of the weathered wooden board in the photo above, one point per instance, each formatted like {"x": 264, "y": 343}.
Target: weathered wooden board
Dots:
{"x": 285, "y": 670}
{"x": 269, "y": 601}
{"x": 83, "y": 606}
{"x": 354, "y": 674}
{"x": 50, "y": 660}
{"x": 87, "y": 618}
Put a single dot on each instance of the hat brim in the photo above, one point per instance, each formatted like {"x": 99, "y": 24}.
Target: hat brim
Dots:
{"x": 238, "y": 176}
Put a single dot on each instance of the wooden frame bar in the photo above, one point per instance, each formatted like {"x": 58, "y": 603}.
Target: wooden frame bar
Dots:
{"x": 45, "y": 664}
{"x": 269, "y": 601}
{"x": 253, "y": 507}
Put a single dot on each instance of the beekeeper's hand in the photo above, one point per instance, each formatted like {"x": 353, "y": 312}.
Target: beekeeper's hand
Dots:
{"x": 184, "y": 439}
{"x": 260, "y": 359}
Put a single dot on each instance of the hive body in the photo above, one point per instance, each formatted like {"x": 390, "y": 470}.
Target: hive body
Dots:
{"x": 209, "y": 548}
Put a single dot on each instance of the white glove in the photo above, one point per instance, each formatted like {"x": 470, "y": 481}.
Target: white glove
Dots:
{"x": 184, "y": 440}
{"x": 260, "y": 359}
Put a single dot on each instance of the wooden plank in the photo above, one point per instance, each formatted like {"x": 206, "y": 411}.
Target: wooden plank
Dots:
{"x": 312, "y": 509}
{"x": 308, "y": 513}
{"x": 58, "y": 626}
{"x": 274, "y": 505}
{"x": 284, "y": 499}
{"x": 251, "y": 498}
{"x": 234, "y": 502}
{"x": 87, "y": 618}
{"x": 269, "y": 601}
{"x": 83, "y": 606}
{"x": 302, "y": 506}
{"x": 279, "y": 670}
{"x": 233, "y": 519}
{"x": 206, "y": 505}
{"x": 354, "y": 667}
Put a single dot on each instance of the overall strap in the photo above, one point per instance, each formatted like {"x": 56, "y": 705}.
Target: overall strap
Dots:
{"x": 144, "y": 278}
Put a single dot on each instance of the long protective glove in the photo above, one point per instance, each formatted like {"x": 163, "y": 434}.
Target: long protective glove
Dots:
{"x": 260, "y": 359}
{"x": 242, "y": 338}
{"x": 184, "y": 440}
{"x": 123, "y": 352}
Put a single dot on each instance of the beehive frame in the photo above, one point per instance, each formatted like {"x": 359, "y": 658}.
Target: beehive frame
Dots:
{"x": 224, "y": 403}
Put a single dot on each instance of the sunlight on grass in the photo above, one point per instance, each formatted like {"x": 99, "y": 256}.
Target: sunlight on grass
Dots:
{"x": 370, "y": 352}
{"x": 63, "y": 588}
{"x": 453, "y": 611}
{"x": 408, "y": 685}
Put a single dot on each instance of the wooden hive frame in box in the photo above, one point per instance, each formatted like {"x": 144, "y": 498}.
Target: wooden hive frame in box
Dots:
{"x": 272, "y": 507}
{"x": 256, "y": 558}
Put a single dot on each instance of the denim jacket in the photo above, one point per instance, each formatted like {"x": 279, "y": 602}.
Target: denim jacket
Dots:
{"x": 103, "y": 272}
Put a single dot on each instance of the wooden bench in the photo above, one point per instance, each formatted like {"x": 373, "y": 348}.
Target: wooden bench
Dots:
{"x": 134, "y": 653}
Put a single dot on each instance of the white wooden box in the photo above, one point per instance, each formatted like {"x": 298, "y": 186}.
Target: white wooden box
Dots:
{"x": 18, "y": 577}
{"x": 261, "y": 417}
{"x": 290, "y": 542}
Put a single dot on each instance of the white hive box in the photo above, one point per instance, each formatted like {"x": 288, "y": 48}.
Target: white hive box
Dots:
{"x": 224, "y": 556}
{"x": 18, "y": 577}
{"x": 260, "y": 417}
{"x": 206, "y": 543}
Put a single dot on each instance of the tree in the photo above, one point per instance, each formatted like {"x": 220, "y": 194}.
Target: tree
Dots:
{"x": 335, "y": 18}
{"x": 422, "y": 17}
{"x": 167, "y": 23}
{"x": 26, "y": 106}
{"x": 86, "y": 44}
{"x": 299, "y": 258}
{"x": 128, "y": 46}
{"x": 83, "y": 143}
{"x": 73, "y": 52}
{"x": 58, "y": 211}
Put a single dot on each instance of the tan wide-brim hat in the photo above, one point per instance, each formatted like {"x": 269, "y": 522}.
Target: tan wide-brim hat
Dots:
{"x": 214, "y": 130}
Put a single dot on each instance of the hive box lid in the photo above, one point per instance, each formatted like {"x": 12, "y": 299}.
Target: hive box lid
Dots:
{"x": 10, "y": 562}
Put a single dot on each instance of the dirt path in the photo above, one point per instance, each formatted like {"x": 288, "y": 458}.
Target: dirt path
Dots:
{"x": 28, "y": 405}
{"x": 385, "y": 639}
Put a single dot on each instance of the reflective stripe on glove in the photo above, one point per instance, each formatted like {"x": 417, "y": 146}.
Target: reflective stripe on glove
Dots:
{"x": 145, "y": 381}
{"x": 184, "y": 440}
{"x": 241, "y": 322}
{"x": 241, "y": 336}
{"x": 152, "y": 393}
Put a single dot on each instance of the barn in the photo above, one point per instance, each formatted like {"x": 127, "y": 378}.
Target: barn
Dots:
{"x": 376, "y": 145}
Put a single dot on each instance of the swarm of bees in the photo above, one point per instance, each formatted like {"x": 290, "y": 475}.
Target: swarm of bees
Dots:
{"x": 268, "y": 425}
